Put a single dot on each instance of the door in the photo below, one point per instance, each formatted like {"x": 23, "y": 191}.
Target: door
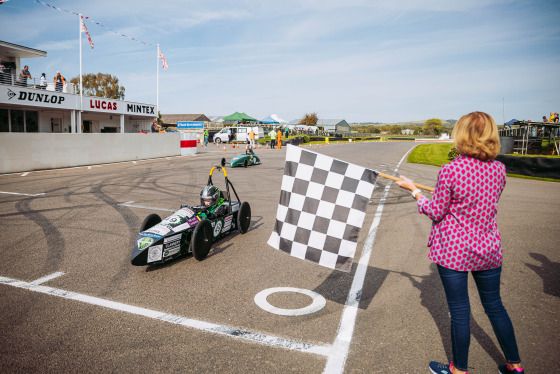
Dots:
{"x": 56, "y": 124}
{"x": 241, "y": 134}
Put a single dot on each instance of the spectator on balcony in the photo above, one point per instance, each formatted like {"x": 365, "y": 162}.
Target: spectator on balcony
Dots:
{"x": 155, "y": 127}
{"x": 24, "y": 75}
{"x": 43, "y": 82}
{"x": 4, "y": 74}
{"x": 59, "y": 81}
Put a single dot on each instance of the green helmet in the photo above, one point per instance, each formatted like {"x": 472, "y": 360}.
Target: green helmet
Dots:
{"x": 211, "y": 193}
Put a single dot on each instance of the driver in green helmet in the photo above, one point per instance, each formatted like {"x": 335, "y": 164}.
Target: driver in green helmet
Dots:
{"x": 211, "y": 204}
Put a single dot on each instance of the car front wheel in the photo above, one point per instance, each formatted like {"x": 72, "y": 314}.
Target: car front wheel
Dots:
{"x": 217, "y": 140}
{"x": 201, "y": 240}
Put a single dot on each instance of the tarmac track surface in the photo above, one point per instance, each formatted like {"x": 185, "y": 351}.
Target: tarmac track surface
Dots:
{"x": 94, "y": 312}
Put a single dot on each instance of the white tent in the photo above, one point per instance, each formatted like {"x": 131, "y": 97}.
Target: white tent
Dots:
{"x": 273, "y": 118}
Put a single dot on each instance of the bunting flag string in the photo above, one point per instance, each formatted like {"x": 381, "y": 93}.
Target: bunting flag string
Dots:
{"x": 97, "y": 23}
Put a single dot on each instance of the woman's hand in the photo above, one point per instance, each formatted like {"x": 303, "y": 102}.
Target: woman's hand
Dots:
{"x": 406, "y": 183}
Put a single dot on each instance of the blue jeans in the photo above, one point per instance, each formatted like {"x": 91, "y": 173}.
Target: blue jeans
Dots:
{"x": 456, "y": 292}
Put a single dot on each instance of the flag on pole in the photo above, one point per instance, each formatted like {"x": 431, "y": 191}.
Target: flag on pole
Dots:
{"x": 163, "y": 62}
{"x": 84, "y": 29}
{"x": 322, "y": 208}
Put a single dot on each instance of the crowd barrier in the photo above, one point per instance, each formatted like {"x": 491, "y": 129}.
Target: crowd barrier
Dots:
{"x": 38, "y": 151}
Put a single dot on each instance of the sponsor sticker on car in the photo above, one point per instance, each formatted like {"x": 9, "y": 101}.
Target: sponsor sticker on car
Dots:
{"x": 217, "y": 228}
{"x": 151, "y": 235}
{"x": 159, "y": 229}
{"x": 144, "y": 243}
{"x": 227, "y": 223}
{"x": 155, "y": 253}
{"x": 172, "y": 238}
{"x": 170, "y": 251}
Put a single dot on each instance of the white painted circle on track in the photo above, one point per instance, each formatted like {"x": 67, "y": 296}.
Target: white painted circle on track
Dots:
{"x": 318, "y": 303}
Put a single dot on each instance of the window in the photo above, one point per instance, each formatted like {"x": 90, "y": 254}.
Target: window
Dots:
{"x": 17, "y": 120}
{"x": 31, "y": 121}
{"x": 4, "y": 123}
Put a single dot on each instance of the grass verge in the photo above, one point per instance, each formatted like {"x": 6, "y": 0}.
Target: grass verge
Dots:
{"x": 430, "y": 154}
{"x": 436, "y": 155}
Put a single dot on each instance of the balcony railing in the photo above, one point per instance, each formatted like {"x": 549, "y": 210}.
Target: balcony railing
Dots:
{"x": 17, "y": 81}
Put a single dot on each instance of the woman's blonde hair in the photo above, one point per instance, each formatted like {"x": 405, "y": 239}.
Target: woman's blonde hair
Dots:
{"x": 476, "y": 135}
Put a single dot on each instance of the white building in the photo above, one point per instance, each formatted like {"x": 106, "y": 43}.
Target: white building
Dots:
{"x": 27, "y": 107}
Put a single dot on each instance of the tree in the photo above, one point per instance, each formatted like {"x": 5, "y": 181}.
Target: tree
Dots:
{"x": 101, "y": 85}
{"x": 432, "y": 127}
{"x": 309, "y": 119}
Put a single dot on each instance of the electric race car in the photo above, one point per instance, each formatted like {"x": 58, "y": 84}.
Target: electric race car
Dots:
{"x": 247, "y": 159}
{"x": 188, "y": 230}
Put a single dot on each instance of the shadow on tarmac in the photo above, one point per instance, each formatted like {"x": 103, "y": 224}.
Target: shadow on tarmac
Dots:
{"x": 549, "y": 272}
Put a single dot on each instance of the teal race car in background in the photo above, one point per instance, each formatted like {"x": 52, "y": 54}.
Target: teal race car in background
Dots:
{"x": 247, "y": 159}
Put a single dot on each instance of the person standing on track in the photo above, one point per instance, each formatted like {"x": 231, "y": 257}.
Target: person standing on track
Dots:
{"x": 465, "y": 238}
{"x": 278, "y": 139}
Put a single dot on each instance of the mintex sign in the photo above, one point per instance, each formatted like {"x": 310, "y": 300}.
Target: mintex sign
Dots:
{"x": 190, "y": 125}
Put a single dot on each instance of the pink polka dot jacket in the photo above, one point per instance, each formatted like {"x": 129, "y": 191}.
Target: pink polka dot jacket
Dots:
{"x": 463, "y": 208}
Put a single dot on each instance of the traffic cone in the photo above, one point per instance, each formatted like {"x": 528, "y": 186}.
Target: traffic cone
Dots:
{"x": 232, "y": 145}
{"x": 266, "y": 146}
{"x": 224, "y": 148}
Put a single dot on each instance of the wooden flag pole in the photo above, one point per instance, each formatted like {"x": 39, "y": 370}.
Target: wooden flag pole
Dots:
{"x": 431, "y": 189}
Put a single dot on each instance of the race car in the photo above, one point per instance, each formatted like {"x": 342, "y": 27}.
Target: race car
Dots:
{"x": 247, "y": 159}
{"x": 187, "y": 231}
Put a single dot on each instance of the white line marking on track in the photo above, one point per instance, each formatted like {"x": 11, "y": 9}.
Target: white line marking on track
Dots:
{"x": 47, "y": 278}
{"x": 129, "y": 204}
{"x": 233, "y": 332}
{"x": 341, "y": 346}
{"x": 89, "y": 167}
{"x": 24, "y": 174}
{"x": 316, "y": 305}
{"x": 133, "y": 162}
{"x": 23, "y": 194}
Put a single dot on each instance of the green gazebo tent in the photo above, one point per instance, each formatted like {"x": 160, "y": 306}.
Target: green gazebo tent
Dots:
{"x": 239, "y": 117}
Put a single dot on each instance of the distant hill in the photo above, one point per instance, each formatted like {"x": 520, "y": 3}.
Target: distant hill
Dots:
{"x": 445, "y": 122}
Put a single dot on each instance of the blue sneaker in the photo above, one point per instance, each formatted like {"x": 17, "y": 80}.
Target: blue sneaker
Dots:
{"x": 504, "y": 369}
{"x": 439, "y": 368}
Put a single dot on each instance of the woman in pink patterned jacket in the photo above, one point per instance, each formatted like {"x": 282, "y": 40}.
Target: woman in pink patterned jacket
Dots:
{"x": 465, "y": 237}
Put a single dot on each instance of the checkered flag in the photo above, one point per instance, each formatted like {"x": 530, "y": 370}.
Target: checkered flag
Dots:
{"x": 322, "y": 208}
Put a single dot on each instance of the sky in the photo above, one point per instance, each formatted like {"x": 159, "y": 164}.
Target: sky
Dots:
{"x": 359, "y": 60}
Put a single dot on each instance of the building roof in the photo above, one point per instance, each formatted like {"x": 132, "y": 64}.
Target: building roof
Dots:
{"x": 172, "y": 119}
{"x": 19, "y": 51}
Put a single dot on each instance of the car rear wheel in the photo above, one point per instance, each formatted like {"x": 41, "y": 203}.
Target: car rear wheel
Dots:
{"x": 201, "y": 240}
{"x": 150, "y": 221}
{"x": 244, "y": 217}
{"x": 217, "y": 140}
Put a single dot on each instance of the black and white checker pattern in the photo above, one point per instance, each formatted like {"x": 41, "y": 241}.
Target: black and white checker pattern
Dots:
{"x": 322, "y": 208}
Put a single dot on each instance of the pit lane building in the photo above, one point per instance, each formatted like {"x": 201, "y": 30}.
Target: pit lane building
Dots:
{"x": 27, "y": 107}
